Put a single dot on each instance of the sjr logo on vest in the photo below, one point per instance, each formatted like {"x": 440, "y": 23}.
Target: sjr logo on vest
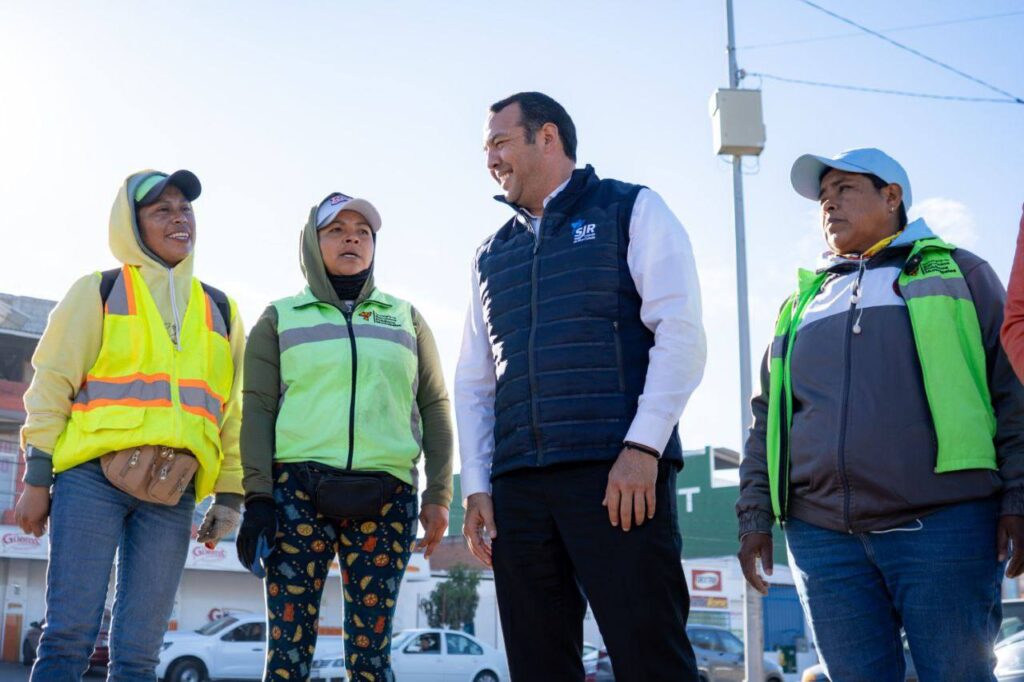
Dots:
{"x": 583, "y": 233}
{"x": 366, "y": 316}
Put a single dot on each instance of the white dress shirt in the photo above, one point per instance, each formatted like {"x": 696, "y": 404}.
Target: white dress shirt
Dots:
{"x": 660, "y": 260}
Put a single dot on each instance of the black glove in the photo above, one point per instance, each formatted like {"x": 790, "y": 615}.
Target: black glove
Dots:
{"x": 256, "y": 536}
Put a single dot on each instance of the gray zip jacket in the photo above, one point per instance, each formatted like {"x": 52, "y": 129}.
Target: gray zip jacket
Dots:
{"x": 863, "y": 447}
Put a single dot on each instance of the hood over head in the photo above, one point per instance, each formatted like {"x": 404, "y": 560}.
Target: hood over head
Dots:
{"x": 313, "y": 269}
{"x": 125, "y": 238}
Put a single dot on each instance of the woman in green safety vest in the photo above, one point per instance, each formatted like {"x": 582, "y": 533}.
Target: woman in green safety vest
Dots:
{"x": 888, "y": 437}
{"x": 343, "y": 390}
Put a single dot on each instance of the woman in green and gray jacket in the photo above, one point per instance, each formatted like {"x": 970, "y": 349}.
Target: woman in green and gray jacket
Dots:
{"x": 343, "y": 390}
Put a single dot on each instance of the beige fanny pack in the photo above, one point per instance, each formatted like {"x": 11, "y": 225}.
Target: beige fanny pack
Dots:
{"x": 152, "y": 473}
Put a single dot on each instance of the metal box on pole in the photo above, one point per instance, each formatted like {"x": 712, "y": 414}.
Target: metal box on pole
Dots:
{"x": 737, "y": 122}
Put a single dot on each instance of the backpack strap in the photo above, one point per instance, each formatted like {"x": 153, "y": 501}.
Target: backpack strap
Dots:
{"x": 109, "y": 277}
{"x": 220, "y": 299}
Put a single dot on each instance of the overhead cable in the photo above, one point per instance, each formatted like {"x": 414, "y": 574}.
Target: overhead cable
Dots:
{"x": 882, "y": 91}
{"x": 914, "y": 52}
{"x": 894, "y": 29}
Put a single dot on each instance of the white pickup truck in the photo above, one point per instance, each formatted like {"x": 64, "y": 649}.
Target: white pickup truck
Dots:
{"x": 233, "y": 647}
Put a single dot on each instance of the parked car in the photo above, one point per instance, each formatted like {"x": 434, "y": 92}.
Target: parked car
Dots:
{"x": 816, "y": 673}
{"x": 233, "y": 647}
{"x": 100, "y": 654}
{"x": 1013, "y": 619}
{"x": 590, "y": 654}
{"x": 719, "y": 658}
{"x": 431, "y": 655}
{"x": 720, "y": 655}
{"x": 599, "y": 668}
{"x": 1010, "y": 631}
{"x": 446, "y": 656}
{"x": 1010, "y": 659}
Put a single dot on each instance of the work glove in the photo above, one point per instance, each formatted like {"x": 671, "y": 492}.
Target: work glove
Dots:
{"x": 256, "y": 536}
{"x": 220, "y": 521}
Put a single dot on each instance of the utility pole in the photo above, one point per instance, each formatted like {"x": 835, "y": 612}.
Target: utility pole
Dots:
{"x": 753, "y": 619}
{"x": 737, "y": 129}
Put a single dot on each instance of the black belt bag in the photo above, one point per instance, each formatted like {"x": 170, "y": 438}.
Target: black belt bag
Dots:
{"x": 356, "y": 495}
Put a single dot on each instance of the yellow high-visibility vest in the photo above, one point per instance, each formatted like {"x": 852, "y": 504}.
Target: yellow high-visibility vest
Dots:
{"x": 145, "y": 390}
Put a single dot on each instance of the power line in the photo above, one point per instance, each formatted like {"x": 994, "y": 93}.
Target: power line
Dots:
{"x": 894, "y": 29}
{"x": 913, "y": 51}
{"x": 883, "y": 91}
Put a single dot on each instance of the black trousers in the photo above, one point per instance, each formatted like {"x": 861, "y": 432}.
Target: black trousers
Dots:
{"x": 556, "y": 549}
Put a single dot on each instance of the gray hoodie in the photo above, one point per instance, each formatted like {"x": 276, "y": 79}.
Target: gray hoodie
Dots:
{"x": 862, "y": 443}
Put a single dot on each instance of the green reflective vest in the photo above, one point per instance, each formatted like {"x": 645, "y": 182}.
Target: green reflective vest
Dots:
{"x": 947, "y": 335}
{"x": 348, "y": 385}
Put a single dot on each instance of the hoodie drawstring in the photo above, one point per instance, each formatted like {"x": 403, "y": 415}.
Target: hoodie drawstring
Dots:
{"x": 855, "y": 299}
{"x": 175, "y": 336}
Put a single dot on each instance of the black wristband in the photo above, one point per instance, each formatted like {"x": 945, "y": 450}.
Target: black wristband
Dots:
{"x": 642, "y": 448}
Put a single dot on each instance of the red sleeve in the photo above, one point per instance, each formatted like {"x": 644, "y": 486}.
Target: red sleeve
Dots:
{"x": 1013, "y": 318}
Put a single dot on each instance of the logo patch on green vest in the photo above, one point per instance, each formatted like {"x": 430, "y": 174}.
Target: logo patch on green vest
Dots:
{"x": 377, "y": 318}
{"x": 941, "y": 266}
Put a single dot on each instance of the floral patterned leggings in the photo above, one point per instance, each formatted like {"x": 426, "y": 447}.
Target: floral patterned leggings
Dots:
{"x": 373, "y": 553}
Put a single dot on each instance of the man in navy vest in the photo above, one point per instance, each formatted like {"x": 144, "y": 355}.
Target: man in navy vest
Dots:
{"x": 582, "y": 345}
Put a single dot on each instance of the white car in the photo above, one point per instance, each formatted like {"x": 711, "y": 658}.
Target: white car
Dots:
{"x": 431, "y": 656}
{"x": 233, "y": 647}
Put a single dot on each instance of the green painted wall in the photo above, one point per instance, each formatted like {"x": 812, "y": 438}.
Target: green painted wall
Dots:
{"x": 707, "y": 515}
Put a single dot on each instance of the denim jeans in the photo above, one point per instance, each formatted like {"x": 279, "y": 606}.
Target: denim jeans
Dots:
{"x": 90, "y": 520}
{"x": 937, "y": 578}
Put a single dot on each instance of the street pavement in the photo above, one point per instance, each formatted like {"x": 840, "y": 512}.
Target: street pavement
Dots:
{"x": 15, "y": 672}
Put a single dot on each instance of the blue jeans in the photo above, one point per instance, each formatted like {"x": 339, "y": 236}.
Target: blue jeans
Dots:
{"x": 938, "y": 578}
{"x": 90, "y": 520}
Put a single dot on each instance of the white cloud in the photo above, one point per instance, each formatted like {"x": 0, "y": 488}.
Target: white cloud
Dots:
{"x": 949, "y": 219}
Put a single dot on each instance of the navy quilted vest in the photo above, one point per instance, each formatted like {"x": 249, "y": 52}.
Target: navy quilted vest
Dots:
{"x": 563, "y": 317}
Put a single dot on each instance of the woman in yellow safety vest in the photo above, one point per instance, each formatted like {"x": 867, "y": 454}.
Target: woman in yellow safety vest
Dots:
{"x": 133, "y": 416}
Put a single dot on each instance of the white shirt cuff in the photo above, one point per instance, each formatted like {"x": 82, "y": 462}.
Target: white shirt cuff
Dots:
{"x": 475, "y": 480}
{"x": 650, "y": 430}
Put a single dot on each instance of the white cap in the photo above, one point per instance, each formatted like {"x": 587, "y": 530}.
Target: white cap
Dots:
{"x": 337, "y": 202}
{"x": 808, "y": 169}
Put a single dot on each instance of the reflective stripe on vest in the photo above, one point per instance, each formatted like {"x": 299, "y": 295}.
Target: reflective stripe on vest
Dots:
{"x": 139, "y": 390}
{"x": 947, "y": 336}
{"x": 143, "y": 390}
{"x": 348, "y": 386}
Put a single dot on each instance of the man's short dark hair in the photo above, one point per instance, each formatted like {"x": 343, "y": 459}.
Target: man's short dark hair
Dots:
{"x": 538, "y": 109}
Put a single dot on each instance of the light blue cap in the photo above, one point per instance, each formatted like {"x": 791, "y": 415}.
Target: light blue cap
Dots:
{"x": 808, "y": 169}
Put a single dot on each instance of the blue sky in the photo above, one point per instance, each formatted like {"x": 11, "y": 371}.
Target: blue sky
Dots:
{"x": 275, "y": 105}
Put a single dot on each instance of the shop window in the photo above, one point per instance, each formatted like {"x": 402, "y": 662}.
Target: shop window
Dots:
{"x": 8, "y": 474}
